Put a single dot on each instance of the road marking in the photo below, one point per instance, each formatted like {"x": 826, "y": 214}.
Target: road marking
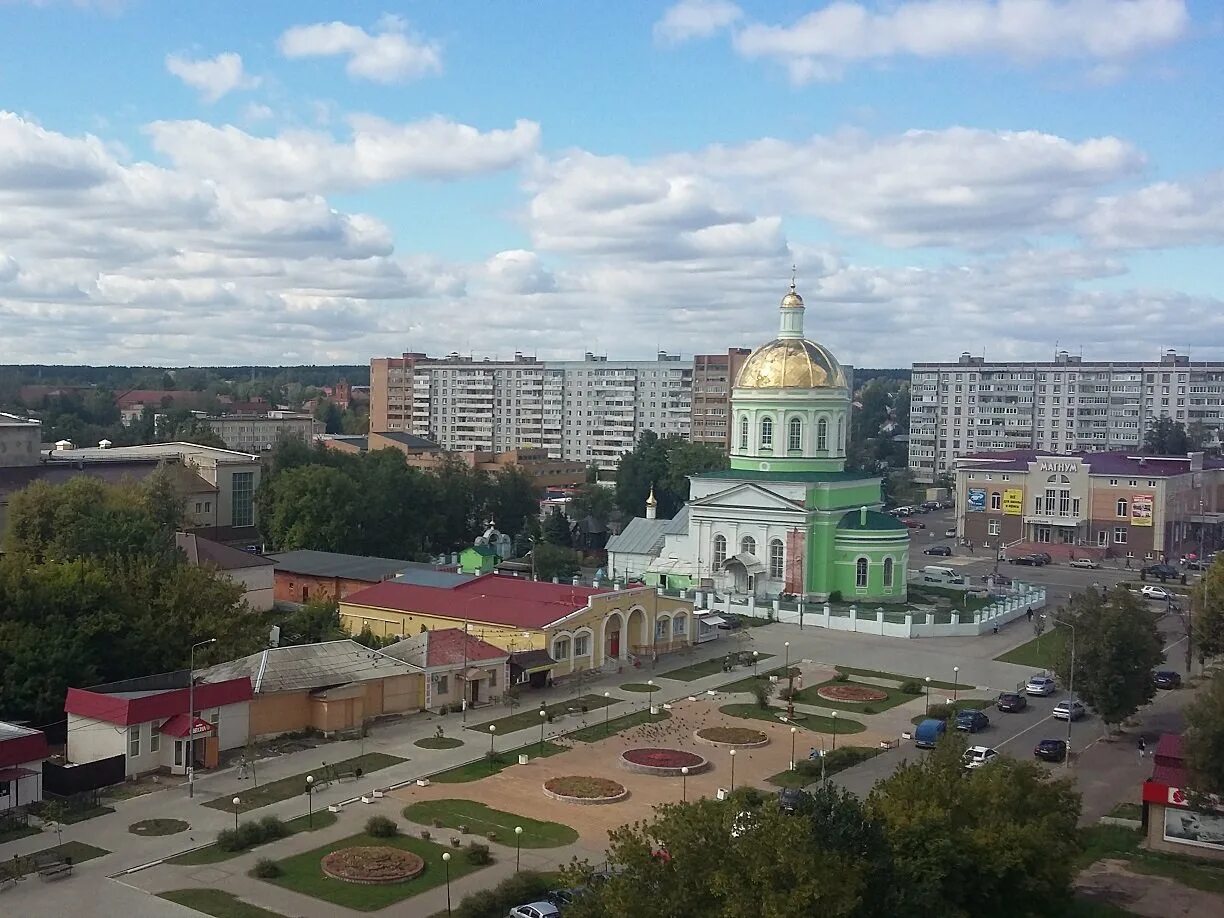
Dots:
{"x": 1026, "y": 730}
{"x": 1169, "y": 647}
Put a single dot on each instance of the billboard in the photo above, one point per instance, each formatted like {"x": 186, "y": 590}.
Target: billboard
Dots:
{"x": 1013, "y": 501}
{"x": 1200, "y": 828}
{"x": 1141, "y": 510}
{"x": 977, "y": 500}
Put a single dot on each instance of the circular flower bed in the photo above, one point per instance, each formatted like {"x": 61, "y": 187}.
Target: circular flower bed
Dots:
{"x": 654, "y": 761}
{"x": 372, "y": 865}
{"x": 585, "y": 789}
{"x": 150, "y": 827}
{"x": 732, "y": 736}
{"x": 844, "y": 691}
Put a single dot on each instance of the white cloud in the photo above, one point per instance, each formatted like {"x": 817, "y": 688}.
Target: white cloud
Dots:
{"x": 256, "y": 111}
{"x": 1161, "y": 215}
{"x": 212, "y": 77}
{"x": 819, "y": 45}
{"x": 691, "y": 19}
{"x": 390, "y": 55}
{"x": 520, "y": 272}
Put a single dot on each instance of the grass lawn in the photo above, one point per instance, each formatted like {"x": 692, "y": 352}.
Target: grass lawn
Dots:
{"x": 961, "y": 704}
{"x": 275, "y": 791}
{"x": 78, "y": 851}
{"x": 18, "y": 832}
{"x": 596, "y": 732}
{"x": 481, "y": 820}
{"x": 211, "y": 854}
{"x": 1127, "y": 811}
{"x": 880, "y": 674}
{"x": 151, "y": 827}
{"x": 439, "y": 742}
{"x": 745, "y": 685}
{"x": 67, "y": 814}
{"x": 217, "y": 903}
{"x": 710, "y": 667}
{"x": 1089, "y": 908}
{"x": 531, "y": 718}
{"x": 960, "y": 599}
{"x": 638, "y": 687}
{"x": 1040, "y": 652}
{"x": 302, "y": 873}
{"x": 810, "y": 695}
{"x": 813, "y": 722}
{"x": 838, "y": 760}
{"x": 482, "y": 768}
{"x": 1103, "y": 841}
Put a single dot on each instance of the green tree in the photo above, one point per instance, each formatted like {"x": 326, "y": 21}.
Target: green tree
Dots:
{"x": 315, "y": 622}
{"x": 593, "y": 500}
{"x": 311, "y": 507}
{"x": 1116, "y": 647}
{"x": 552, "y": 560}
{"x": 1166, "y": 437}
{"x": 180, "y": 425}
{"x": 685, "y": 458}
{"x": 1204, "y": 737}
{"x": 638, "y": 471}
{"x": 1207, "y": 610}
{"x": 556, "y": 530}
{"x": 513, "y": 497}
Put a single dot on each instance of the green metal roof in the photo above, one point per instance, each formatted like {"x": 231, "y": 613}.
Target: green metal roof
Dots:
{"x": 782, "y": 475}
{"x": 875, "y": 522}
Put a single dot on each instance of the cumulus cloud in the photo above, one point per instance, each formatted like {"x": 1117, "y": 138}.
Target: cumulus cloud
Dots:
{"x": 1164, "y": 214}
{"x": 691, "y": 19}
{"x": 520, "y": 272}
{"x": 212, "y": 77}
{"x": 392, "y": 54}
{"x": 820, "y": 44}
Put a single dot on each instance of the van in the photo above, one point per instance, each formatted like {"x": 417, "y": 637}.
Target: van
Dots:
{"x": 928, "y": 733}
{"x": 934, "y": 573}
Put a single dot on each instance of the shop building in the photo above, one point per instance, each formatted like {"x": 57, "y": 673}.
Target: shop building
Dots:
{"x": 1174, "y": 821}
{"x": 22, "y": 753}
{"x": 460, "y": 669}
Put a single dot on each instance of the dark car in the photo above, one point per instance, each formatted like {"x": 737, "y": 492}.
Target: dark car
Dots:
{"x": 1045, "y": 556}
{"x": 563, "y": 898}
{"x": 914, "y": 524}
{"x": 1166, "y": 679}
{"x": 792, "y": 799}
{"x": 1029, "y": 560}
{"x": 1011, "y": 702}
{"x": 1163, "y": 571}
{"x": 1051, "y": 750}
{"x": 938, "y": 550}
{"x": 972, "y": 721}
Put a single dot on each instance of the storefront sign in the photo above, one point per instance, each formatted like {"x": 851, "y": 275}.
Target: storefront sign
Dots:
{"x": 1013, "y": 501}
{"x": 1058, "y": 466}
{"x": 1141, "y": 510}
{"x": 1200, "y": 828}
{"x": 977, "y": 500}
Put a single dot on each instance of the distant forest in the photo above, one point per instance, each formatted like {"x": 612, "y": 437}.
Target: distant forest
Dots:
{"x": 187, "y": 378}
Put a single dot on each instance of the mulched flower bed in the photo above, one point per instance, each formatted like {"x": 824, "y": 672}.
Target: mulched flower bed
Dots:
{"x": 585, "y": 789}
{"x": 372, "y": 865}
{"x": 732, "y": 736}
{"x": 843, "y": 691}
{"x": 656, "y": 761}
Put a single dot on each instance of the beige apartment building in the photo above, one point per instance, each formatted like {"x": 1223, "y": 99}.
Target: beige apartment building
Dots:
{"x": 259, "y": 433}
{"x": 713, "y": 377}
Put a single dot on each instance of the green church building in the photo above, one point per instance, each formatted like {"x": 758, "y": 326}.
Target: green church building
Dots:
{"x": 786, "y": 517}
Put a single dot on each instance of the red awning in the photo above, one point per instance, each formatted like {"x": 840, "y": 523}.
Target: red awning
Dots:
{"x": 176, "y": 726}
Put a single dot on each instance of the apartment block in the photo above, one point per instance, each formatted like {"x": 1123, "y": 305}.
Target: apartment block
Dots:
{"x": 589, "y": 410}
{"x": 713, "y": 378}
{"x": 259, "y": 433}
{"x": 1060, "y": 406}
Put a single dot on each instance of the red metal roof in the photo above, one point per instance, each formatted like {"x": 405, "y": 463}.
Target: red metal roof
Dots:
{"x": 177, "y": 726}
{"x": 446, "y": 648}
{"x": 493, "y": 598}
{"x": 1169, "y": 746}
{"x": 126, "y": 710}
{"x": 28, "y": 747}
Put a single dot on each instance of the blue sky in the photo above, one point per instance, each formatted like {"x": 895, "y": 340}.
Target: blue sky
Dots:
{"x": 310, "y": 181}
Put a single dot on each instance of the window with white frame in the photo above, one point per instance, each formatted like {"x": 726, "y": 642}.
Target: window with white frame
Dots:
{"x": 1120, "y": 508}
{"x": 154, "y": 738}
{"x": 134, "y": 741}
{"x": 767, "y": 432}
{"x": 822, "y": 434}
{"x": 748, "y": 545}
{"x": 794, "y": 434}
{"x": 561, "y": 649}
{"x": 680, "y": 624}
{"x": 992, "y": 528}
{"x": 720, "y": 551}
{"x": 442, "y": 685}
{"x": 888, "y": 573}
{"x": 996, "y": 500}
{"x": 661, "y": 628}
{"x": 1120, "y": 535}
{"x": 743, "y": 435}
{"x": 777, "y": 558}
{"x": 582, "y": 645}
{"x": 860, "y": 573}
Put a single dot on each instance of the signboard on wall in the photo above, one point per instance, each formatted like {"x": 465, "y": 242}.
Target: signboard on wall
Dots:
{"x": 1013, "y": 501}
{"x": 977, "y": 500}
{"x": 1141, "y": 510}
{"x": 1201, "y": 828}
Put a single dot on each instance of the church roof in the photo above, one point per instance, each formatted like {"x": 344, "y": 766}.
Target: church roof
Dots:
{"x": 791, "y": 363}
{"x": 870, "y": 521}
{"x": 781, "y": 475}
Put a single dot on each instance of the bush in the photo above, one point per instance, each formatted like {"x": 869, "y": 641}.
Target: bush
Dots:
{"x": 911, "y": 688}
{"x": 381, "y": 827}
{"x": 941, "y": 711}
{"x": 444, "y": 710}
{"x": 748, "y": 797}
{"x": 809, "y": 768}
{"x": 526, "y": 886}
{"x": 835, "y": 596}
{"x": 227, "y": 840}
{"x": 868, "y": 709}
{"x": 787, "y": 694}
{"x": 266, "y": 868}
{"x": 845, "y": 756}
{"x": 486, "y": 903}
{"x": 477, "y": 853}
{"x": 762, "y": 689}
{"x": 273, "y": 828}
{"x": 249, "y": 835}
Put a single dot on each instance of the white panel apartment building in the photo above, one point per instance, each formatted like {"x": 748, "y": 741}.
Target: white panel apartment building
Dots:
{"x": 1060, "y": 406}
{"x": 590, "y": 410}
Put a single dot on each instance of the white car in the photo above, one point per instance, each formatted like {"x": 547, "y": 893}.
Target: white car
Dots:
{"x": 1088, "y": 563}
{"x": 977, "y": 756}
{"x": 535, "y": 910}
{"x": 1040, "y": 685}
{"x": 1069, "y": 709}
{"x": 1156, "y": 592}
{"x": 950, "y": 532}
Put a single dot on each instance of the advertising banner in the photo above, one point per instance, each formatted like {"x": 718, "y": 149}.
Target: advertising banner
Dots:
{"x": 977, "y": 500}
{"x": 1141, "y": 510}
{"x": 1013, "y": 501}
{"x": 1194, "y": 827}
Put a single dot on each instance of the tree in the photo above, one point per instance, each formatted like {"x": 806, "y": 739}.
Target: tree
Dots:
{"x": 315, "y": 622}
{"x": 557, "y": 529}
{"x": 314, "y": 507}
{"x": 1204, "y": 737}
{"x": 1166, "y": 437}
{"x": 994, "y": 841}
{"x": 1207, "y": 611}
{"x": 180, "y": 425}
{"x": 665, "y": 466}
{"x": 685, "y": 458}
{"x": 513, "y": 497}
{"x": 550, "y": 560}
{"x": 1116, "y": 648}
{"x": 593, "y": 500}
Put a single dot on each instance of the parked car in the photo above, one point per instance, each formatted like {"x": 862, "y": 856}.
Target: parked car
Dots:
{"x": 1040, "y": 685}
{"x": 1030, "y": 560}
{"x": 791, "y": 799}
{"x": 1087, "y": 563}
{"x": 563, "y": 898}
{"x": 929, "y": 732}
{"x": 1011, "y": 702}
{"x": 913, "y": 524}
{"x": 1163, "y": 571}
{"x": 1069, "y": 709}
{"x": 1051, "y": 750}
{"x": 541, "y": 909}
{"x": 1166, "y": 679}
{"x": 1196, "y": 564}
{"x": 950, "y": 532}
{"x": 1045, "y": 556}
{"x": 931, "y": 505}
{"x": 938, "y": 550}
{"x": 1156, "y": 592}
{"x": 977, "y": 756}
{"x": 971, "y": 721}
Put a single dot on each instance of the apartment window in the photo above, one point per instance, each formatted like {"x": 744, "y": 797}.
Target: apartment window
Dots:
{"x": 134, "y": 741}
{"x": 748, "y": 545}
{"x": 1120, "y": 535}
{"x": 1051, "y": 498}
{"x": 720, "y": 551}
{"x": 794, "y": 434}
{"x": 661, "y": 629}
{"x": 743, "y": 436}
{"x": 1120, "y": 508}
{"x": 1113, "y": 482}
{"x": 777, "y": 556}
{"x": 1151, "y": 482}
{"x": 443, "y": 685}
{"x": 992, "y": 527}
{"x": 822, "y": 434}
{"x": 996, "y": 500}
{"x": 767, "y": 433}
{"x": 242, "y": 493}
{"x": 561, "y": 649}
{"x": 860, "y": 573}
{"x": 888, "y": 573}
{"x": 154, "y": 738}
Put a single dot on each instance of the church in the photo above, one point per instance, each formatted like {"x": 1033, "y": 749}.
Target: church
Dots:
{"x": 786, "y": 517}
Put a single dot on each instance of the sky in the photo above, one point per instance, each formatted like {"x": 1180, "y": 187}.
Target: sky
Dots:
{"x": 322, "y": 182}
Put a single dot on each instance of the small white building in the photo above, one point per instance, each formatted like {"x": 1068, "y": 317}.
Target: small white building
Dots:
{"x": 22, "y": 753}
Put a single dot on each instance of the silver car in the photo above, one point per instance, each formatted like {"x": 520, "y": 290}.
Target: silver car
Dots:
{"x": 1069, "y": 709}
{"x": 1040, "y": 685}
{"x": 535, "y": 910}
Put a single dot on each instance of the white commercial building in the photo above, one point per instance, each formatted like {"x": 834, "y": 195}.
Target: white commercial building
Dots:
{"x": 1060, "y": 406}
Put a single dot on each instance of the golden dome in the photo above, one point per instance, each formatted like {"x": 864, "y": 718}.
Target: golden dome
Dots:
{"x": 791, "y": 363}
{"x": 792, "y": 300}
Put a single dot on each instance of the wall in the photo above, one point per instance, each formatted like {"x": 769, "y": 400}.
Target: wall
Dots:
{"x": 384, "y": 622}
{"x": 283, "y": 712}
{"x": 24, "y": 790}
{"x": 233, "y": 724}
{"x": 258, "y": 585}
{"x": 401, "y": 694}
{"x": 288, "y": 586}
{"x": 90, "y": 740}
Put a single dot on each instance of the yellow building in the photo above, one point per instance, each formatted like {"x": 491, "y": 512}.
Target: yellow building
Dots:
{"x": 577, "y": 628}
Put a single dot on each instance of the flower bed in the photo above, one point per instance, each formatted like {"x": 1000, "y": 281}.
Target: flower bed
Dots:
{"x": 852, "y": 692}
{"x": 372, "y": 866}
{"x": 732, "y": 736}
{"x": 656, "y": 761}
{"x": 585, "y": 789}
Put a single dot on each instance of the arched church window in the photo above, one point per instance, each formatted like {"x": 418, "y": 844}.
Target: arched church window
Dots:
{"x": 720, "y": 551}
{"x": 822, "y": 433}
{"x": 888, "y": 573}
{"x": 841, "y": 439}
{"x": 860, "y": 573}
{"x": 794, "y": 434}
{"x": 767, "y": 432}
{"x": 743, "y": 431}
{"x": 748, "y": 545}
{"x": 777, "y": 558}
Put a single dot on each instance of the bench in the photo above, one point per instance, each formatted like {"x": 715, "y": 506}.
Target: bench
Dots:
{"x": 55, "y": 871}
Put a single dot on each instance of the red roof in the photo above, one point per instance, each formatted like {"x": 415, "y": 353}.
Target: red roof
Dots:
{"x": 127, "y": 708}
{"x": 177, "y": 726}
{"x": 493, "y": 598}
{"x": 446, "y": 648}
{"x": 22, "y": 746}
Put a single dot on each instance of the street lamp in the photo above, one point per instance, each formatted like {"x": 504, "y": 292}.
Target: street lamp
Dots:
{"x": 191, "y": 714}
{"x": 955, "y": 682}
{"x": 543, "y": 721}
{"x": 310, "y": 801}
{"x": 650, "y": 694}
{"x": 834, "y": 713}
{"x": 684, "y": 784}
{"x": 446, "y": 864}
{"x": 492, "y": 734}
{"x": 518, "y": 846}
{"x": 928, "y": 696}
{"x": 1070, "y": 685}
{"x": 756, "y": 656}
{"x": 607, "y": 705}
{"x": 794, "y": 730}
{"x": 732, "y": 769}
{"x": 790, "y": 680}
{"x": 237, "y": 803}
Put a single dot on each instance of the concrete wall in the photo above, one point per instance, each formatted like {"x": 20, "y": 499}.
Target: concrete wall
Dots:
{"x": 90, "y": 740}
{"x": 258, "y": 585}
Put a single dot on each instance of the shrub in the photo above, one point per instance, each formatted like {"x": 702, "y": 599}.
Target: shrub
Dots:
{"x": 249, "y": 835}
{"x": 911, "y": 688}
{"x": 868, "y": 709}
{"x": 381, "y": 827}
{"x": 266, "y": 868}
{"x": 842, "y": 677}
{"x": 227, "y": 840}
{"x": 846, "y": 756}
{"x": 809, "y": 768}
{"x": 485, "y": 903}
{"x": 477, "y": 853}
{"x": 748, "y": 797}
{"x": 835, "y": 596}
{"x": 762, "y": 689}
{"x": 444, "y": 710}
{"x": 941, "y": 711}
{"x": 273, "y": 828}
{"x": 786, "y": 694}
{"x": 525, "y": 886}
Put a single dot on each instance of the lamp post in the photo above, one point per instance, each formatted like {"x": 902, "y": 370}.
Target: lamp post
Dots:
{"x": 834, "y": 715}
{"x": 1070, "y": 685}
{"x": 955, "y": 683}
{"x": 794, "y": 730}
{"x": 732, "y": 769}
{"x": 650, "y": 694}
{"x": 928, "y": 696}
{"x": 684, "y": 784}
{"x": 543, "y": 721}
{"x": 310, "y": 801}
{"x": 790, "y": 680}
{"x": 191, "y": 714}
{"x": 756, "y": 656}
{"x": 518, "y": 846}
{"x": 237, "y": 803}
{"x": 446, "y": 864}
{"x": 492, "y": 734}
{"x": 607, "y": 705}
